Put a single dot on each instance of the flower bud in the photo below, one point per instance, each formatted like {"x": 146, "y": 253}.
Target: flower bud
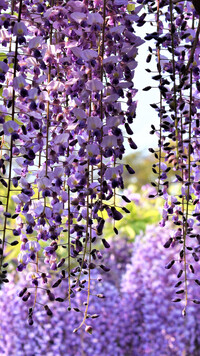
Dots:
{"x": 88, "y": 329}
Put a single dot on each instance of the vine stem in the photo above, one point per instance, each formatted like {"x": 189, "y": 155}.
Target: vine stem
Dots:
{"x": 68, "y": 240}
{"x": 48, "y": 114}
{"x": 89, "y": 211}
{"x": 11, "y": 142}
{"x": 160, "y": 103}
{"x": 46, "y": 168}
{"x": 174, "y": 77}
{"x": 194, "y": 45}
{"x": 185, "y": 225}
{"x": 89, "y": 273}
{"x": 101, "y": 75}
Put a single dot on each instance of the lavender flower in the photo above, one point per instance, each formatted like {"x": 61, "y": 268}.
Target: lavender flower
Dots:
{"x": 150, "y": 291}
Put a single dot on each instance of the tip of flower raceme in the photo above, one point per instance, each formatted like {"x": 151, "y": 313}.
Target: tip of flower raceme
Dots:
{"x": 88, "y": 329}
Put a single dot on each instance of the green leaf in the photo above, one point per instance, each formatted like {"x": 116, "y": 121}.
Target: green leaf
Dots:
{"x": 3, "y": 56}
{"x": 130, "y": 7}
{"x": 9, "y": 118}
{"x": 18, "y": 122}
{"x": 12, "y": 253}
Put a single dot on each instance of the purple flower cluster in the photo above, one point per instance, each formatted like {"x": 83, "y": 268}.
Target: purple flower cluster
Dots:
{"x": 136, "y": 318}
{"x": 68, "y": 68}
{"x": 118, "y": 256}
{"x": 53, "y": 335}
{"x": 175, "y": 47}
{"x": 66, "y": 76}
{"x": 155, "y": 307}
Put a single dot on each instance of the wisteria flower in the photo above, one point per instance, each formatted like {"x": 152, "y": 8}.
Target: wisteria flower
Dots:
{"x": 3, "y": 110}
{"x": 9, "y": 127}
{"x": 79, "y": 113}
{"x": 113, "y": 172}
{"x": 20, "y": 29}
{"x": 32, "y": 276}
{"x": 55, "y": 85}
{"x": 19, "y": 82}
{"x": 33, "y": 246}
{"x": 121, "y": 2}
{"x": 94, "y": 85}
{"x": 35, "y": 42}
{"x": 62, "y": 139}
{"x": 23, "y": 257}
{"x": 78, "y": 16}
{"x": 109, "y": 141}
{"x": 3, "y": 67}
{"x": 94, "y": 123}
{"x": 69, "y": 71}
{"x": 88, "y": 54}
{"x": 93, "y": 150}
{"x": 43, "y": 183}
{"x": 95, "y": 18}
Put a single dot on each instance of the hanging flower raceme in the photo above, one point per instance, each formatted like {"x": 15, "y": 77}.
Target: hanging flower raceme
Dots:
{"x": 54, "y": 333}
{"x": 68, "y": 93}
{"x": 177, "y": 54}
{"x": 141, "y": 297}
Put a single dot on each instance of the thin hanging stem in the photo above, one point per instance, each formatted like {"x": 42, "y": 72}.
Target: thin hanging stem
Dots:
{"x": 101, "y": 76}
{"x": 174, "y": 76}
{"x": 11, "y": 142}
{"x": 160, "y": 102}
{"x": 185, "y": 224}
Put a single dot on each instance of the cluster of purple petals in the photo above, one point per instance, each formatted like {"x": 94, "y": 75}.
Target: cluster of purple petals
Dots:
{"x": 117, "y": 257}
{"x": 137, "y": 317}
{"x": 53, "y": 335}
{"x": 68, "y": 98}
{"x": 174, "y": 45}
{"x": 151, "y": 293}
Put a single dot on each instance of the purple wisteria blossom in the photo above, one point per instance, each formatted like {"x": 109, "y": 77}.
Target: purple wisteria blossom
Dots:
{"x": 67, "y": 67}
{"x": 68, "y": 102}
{"x": 54, "y": 335}
{"x": 131, "y": 311}
{"x": 154, "y": 297}
{"x": 175, "y": 47}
